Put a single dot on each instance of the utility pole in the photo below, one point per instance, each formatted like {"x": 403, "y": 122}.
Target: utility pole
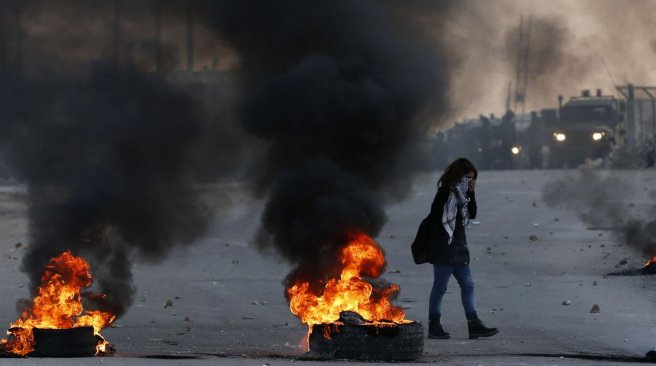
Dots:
{"x": 521, "y": 80}
{"x": 116, "y": 35}
{"x": 508, "y": 97}
{"x": 20, "y": 39}
{"x": 158, "y": 36}
{"x": 4, "y": 48}
{"x": 190, "y": 36}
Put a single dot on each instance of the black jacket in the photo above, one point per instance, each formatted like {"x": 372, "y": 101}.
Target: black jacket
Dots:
{"x": 441, "y": 252}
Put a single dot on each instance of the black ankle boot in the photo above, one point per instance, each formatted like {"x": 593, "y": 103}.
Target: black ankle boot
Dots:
{"x": 435, "y": 329}
{"x": 478, "y": 329}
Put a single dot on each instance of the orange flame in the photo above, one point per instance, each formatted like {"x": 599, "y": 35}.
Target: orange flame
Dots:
{"x": 362, "y": 256}
{"x": 650, "y": 262}
{"x": 58, "y": 306}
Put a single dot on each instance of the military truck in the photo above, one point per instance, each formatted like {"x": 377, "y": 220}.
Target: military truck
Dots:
{"x": 583, "y": 130}
{"x": 487, "y": 141}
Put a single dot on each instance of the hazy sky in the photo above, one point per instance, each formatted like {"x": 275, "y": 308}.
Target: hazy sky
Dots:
{"x": 575, "y": 44}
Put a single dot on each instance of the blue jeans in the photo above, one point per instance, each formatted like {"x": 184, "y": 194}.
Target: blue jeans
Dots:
{"x": 442, "y": 274}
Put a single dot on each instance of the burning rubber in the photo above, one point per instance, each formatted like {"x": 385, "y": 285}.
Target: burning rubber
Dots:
{"x": 71, "y": 342}
{"x": 56, "y": 324}
{"x": 350, "y": 318}
{"x": 354, "y": 338}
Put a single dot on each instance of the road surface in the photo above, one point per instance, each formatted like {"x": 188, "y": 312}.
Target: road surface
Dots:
{"x": 228, "y": 306}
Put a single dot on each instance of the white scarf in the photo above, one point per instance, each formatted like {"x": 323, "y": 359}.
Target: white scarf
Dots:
{"x": 457, "y": 200}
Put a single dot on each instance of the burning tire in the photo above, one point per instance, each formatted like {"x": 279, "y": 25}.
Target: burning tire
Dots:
{"x": 72, "y": 342}
{"x": 375, "y": 342}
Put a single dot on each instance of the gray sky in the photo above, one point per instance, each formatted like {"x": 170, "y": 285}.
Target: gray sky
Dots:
{"x": 575, "y": 46}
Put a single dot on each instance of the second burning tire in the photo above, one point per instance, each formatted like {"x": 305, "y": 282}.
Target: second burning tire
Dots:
{"x": 71, "y": 342}
{"x": 375, "y": 342}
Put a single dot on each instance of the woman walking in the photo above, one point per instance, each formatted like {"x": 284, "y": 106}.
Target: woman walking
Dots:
{"x": 454, "y": 205}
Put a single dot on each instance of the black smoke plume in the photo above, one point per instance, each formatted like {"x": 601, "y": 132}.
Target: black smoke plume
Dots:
{"x": 104, "y": 161}
{"x": 339, "y": 93}
{"x": 608, "y": 201}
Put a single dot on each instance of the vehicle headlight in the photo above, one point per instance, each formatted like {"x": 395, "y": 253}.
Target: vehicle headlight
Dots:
{"x": 597, "y": 136}
{"x": 559, "y": 136}
{"x": 515, "y": 150}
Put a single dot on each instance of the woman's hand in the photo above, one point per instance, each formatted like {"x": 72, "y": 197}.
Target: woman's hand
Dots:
{"x": 472, "y": 185}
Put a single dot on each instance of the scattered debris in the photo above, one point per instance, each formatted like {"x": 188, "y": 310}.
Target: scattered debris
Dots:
{"x": 475, "y": 222}
{"x": 566, "y": 302}
{"x": 18, "y": 245}
{"x": 528, "y": 284}
{"x": 623, "y": 262}
{"x": 391, "y": 236}
{"x": 235, "y": 261}
{"x": 534, "y": 204}
{"x": 594, "y": 283}
{"x": 168, "y": 303}
{"x": 536, "y": 225}
{"x": 533, "y": 237}
{"x": 595, "y": 309}
{"x": 246, "y": 317}
{"x": 187, "y": 319}
{"x": 395, "y": 271}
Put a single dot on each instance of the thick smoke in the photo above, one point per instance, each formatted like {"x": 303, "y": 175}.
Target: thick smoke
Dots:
{"x": 551, "y": 58}
{"x": 591, "y": 49}
{"x": 606, "y": 201}
{"x": 339, "y": 95}
{"x": 108, "y": 147}
{"x": 104, "y": 162}
{"x": 70, "y": 34}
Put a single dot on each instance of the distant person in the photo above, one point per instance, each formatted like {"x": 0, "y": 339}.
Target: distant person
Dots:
{"x": 454, "y": 205}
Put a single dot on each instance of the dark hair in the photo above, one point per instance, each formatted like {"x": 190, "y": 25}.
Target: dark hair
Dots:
{"x": 455, "y": 171}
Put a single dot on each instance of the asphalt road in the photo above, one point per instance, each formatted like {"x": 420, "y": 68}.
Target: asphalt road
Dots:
{"x": 228, "y": 305}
